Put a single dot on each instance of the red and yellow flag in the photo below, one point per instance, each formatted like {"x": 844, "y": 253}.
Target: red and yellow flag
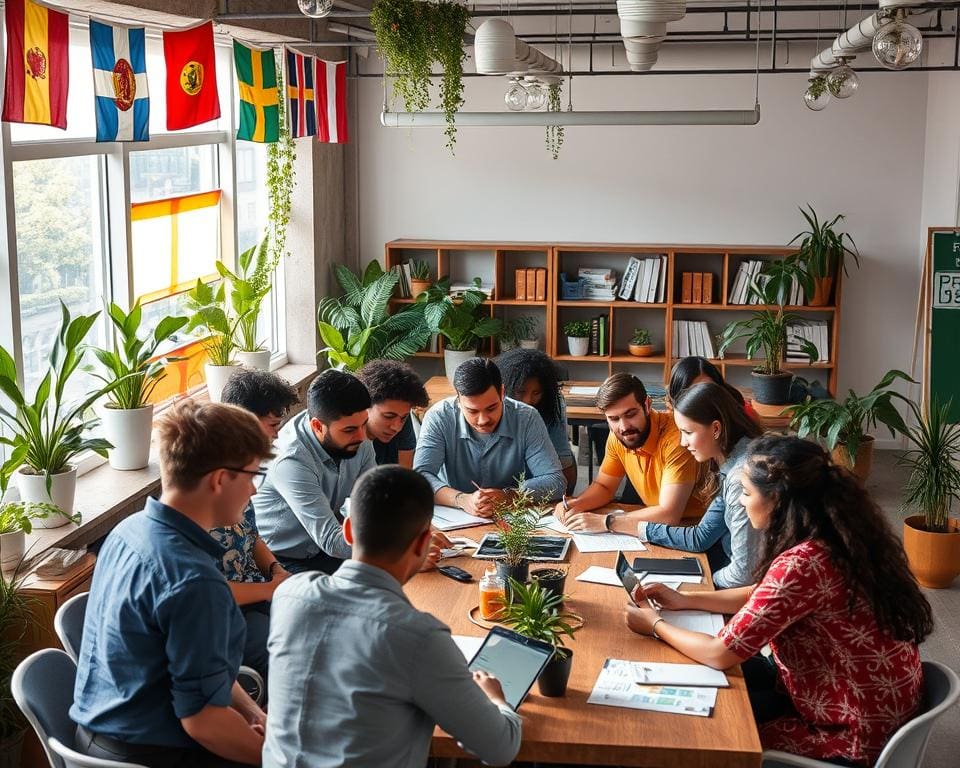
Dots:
{"x": 38, "y": 64}
{"x": 191, "y": 76}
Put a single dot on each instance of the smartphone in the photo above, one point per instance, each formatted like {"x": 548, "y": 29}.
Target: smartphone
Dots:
{"x": 628, "y": 577}
{"x": 452, "y": 572}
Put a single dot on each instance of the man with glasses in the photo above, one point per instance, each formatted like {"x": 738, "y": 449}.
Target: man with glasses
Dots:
{"x": 163, "y": 637}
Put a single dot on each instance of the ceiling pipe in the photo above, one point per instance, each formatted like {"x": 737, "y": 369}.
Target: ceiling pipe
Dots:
{"x": 643, "y": 26}
{"x": 650, "y": 117}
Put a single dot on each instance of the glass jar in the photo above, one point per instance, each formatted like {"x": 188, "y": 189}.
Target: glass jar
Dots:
{"x": 493, "y": 593}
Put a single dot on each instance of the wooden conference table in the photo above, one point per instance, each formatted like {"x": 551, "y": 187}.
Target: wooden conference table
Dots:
{"x": 568, "y": 730}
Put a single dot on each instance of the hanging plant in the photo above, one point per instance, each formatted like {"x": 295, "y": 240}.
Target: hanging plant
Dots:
{"x": 818, "y": 86}
{"x": 412, "y": 35}
{"x": 554, "y": 132}
{"x": 280, "y": 180}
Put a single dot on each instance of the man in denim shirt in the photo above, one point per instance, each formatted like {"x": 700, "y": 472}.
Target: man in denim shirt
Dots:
{"x": 163, "y": 637}
{"x": 474, "y": 447}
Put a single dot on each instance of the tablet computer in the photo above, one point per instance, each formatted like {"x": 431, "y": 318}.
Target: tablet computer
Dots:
{"x": 542, "y": 548}
{"x": 628, "y": 577}
{"x": 516, "y": 661}
{"x": 669, "y": 566}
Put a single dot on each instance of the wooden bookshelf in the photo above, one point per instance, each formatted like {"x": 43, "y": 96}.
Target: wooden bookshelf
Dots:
{"x": 494, "y": 262}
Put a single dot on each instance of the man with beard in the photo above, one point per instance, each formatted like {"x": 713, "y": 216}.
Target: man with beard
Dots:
{"x": 644, "y": 444}
{"x": 320, "y": 454}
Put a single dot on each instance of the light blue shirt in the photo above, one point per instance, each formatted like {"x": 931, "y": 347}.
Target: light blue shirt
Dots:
{"x": 359, "y": 677}
{"x": 725, "y": 521}
{"x": 298, "y": 504}
{"x": 450, "y": 453}
{"x": 559, "y": 438}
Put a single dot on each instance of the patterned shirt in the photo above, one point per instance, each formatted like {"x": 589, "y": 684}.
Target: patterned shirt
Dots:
{"x": 851, "y": 684}
{"x": 238, "y": 563}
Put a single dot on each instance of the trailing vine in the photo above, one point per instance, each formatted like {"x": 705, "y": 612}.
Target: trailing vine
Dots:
{"x": 554, "y": 132}
{"x": 450, "y": 23}
{"x": 281, "y": 178}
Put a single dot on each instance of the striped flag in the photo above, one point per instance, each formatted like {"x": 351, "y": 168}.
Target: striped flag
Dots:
{"x": 301, "y": 97}
{"x": 38, "y": 65}
{"x": 120, "y": 82}
{"x": 331, "y": 82}
{"x": 259, "y": 105}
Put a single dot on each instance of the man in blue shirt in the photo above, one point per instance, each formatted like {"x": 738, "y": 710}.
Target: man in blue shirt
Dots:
{"x": 163, "y": 637}
{"x": 320, "y": 454}
{"x": 394, "y": 389}
{"x": 474, "y": 447}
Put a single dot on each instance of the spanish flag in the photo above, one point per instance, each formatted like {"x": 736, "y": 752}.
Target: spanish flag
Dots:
{"x": 259, "y": 100}
{"x": 38, "y": 65}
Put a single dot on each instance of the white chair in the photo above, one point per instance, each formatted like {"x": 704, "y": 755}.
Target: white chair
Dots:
{"x": 42, "y": 686}
{"x": 73, "y": 759}
{"x": 941, "y": 689}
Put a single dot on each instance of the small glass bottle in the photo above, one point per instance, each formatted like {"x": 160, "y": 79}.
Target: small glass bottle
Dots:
{"x": 493, "y": 592}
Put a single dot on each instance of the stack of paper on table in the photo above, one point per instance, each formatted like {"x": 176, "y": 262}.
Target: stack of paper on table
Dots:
{"x": 648, "y": 685}
{"x": 451, "y": 518}
{"x": 596, "y": 542}
{"x": 597, "y": 574}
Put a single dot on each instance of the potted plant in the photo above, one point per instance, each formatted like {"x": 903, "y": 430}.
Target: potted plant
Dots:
{"x": 16, "y": 523}
{"x": 641, "y": 344}
{"x": 932, "y": 538}
{"x": 519, "y": 332}
{"x": 248, "y": 289}
{"x": 46, "y": 432}
{"x": 766, "y": 331}
{"x": 552, "y": 580}
{"x": 844, "y": 425}
{"x": 536, "y": 613}
{"x": 419, "y": 276}
{"x": 357, "y": 327}
{"x": 517, "y": 519}
{"x": 578, "y": 337}
{"x": 461, "y": 322}
{"x": 133, "y": 366}
{"x": 210, "y": 311}
{"x": 15, "y": 619}
{"x": 823, "y": 252}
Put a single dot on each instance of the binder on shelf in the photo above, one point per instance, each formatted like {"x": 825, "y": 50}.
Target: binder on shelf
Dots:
{"x": 708, "y": 287}
{"x": 654, "y": 280}
{"x": 595, "y": 336}
{"x": 643, "y": 282}
{"x": 602, "y": 345}
{"x": 629, "y": 283}
{"x": 521, "y": 279}
{"x": 698, "y": 287}
{"x": 541, "y": 284}
{"x": 686, "y": 288}
{"x": 662, "y": 290}
{"x": 531, "y": 283}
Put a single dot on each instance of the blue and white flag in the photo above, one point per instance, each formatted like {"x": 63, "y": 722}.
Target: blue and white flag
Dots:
{"x": 120, "y": 82}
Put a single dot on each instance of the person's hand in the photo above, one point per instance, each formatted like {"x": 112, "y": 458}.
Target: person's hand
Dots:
{"x": 640, "y": 618}
{"x": 490, "y": 686}
{"x": 280, "y": 575}
{"x": 586, "y": 522}
{"x": 490, "y": 499}
{"x": 470, "y": 503}
{"x": 437, "y": 542}
{"x": 563, "y": 512}
{"x": 661, "y": 596}
{"x": 256, "y": 718}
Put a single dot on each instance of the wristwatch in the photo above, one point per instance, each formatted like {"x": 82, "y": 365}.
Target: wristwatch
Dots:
{"x": 456, "y": 499}
{"x": 607, "y": 520}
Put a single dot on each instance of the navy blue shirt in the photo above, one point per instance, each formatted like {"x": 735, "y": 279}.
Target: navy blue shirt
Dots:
{"x": 162, "y": 638}
{"x": 404, "y": 440}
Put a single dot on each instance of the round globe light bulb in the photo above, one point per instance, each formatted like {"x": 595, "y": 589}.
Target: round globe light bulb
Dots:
{"x": 817, "y": 95}
{"x": 315, "y": 9}
{"x": 516, "y": 97}
{"x": 536, "y": 96}
{"x": 843, "y": 82}
{"x": 897, "y": 45}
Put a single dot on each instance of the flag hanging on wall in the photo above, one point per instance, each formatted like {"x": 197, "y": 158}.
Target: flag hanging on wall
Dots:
{"x": 259, "y": 104}
{"x": 120, "y": 82}
{"x": 192, "y": 96}
{"x": 300, "y": 95}
{"x": 38, "y": 65}
{"x": 331, "y": 82}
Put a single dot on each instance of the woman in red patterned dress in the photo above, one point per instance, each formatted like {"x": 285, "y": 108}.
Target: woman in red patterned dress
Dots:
{"x": 835, "y": 601}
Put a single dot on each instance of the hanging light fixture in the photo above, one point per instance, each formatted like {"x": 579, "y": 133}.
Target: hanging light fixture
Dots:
{"x": 843, "y": 82}
{"x": 516, "y": 96}
{"x": 315, "y": 9}
{"x": 898, "y": 44}
{"x": 536, "y": 94}
{"x": 817, "y": 95}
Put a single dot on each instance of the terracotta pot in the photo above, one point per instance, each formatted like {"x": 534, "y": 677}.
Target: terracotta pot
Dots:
{"x": 861, "y": 464}
{"x": 641, "y": 350}
{"x": 934, "y": 558}
{"x": 418, "y": 286}
{"x": 822, "y": 288}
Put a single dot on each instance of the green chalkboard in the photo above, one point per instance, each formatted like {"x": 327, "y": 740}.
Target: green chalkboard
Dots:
{"x": 945, "y": 320}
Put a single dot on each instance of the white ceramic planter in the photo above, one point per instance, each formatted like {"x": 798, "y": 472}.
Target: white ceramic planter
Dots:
{"x": 258, "y": 361}
{"x": 63, "y": 489}
{"x": 217, "y": 376}
{"x": 579, "y": 345}
{"x": 129, "y": 432}
{"x": 452, "y": 360}
{"x": 11, "y": 549}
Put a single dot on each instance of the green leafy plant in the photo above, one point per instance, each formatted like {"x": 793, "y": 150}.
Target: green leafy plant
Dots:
{"x": 356, "y": 327}
{"x": 281, "y": 179}
{"x": 208, "y": 305}
{"x": 554, "y": 132}
{"x": 577, "y": 329}
{"x": 822, "y": 250}
{"x": 412, "y": 35}
{"x": 934, "y": 479}
{"x": 15, "y": 619}
{"x": 641, "y": 337}
{"x": 517, "y": 518}
{"x": 535, "y": 613}
{"x": 248, "y": 289}
{"x": 847, "y": 422}
{"x": 132, "y": 363}
{"x": 817, "y": 86}
{"x": 518, "y": 329}
{"x": 419, "y": 269}
{"x": 19, "y": 515}
{"x": 460, "y": 321}
{"x": 45, "y": 433}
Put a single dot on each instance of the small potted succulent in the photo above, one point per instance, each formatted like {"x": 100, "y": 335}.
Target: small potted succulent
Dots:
{"x": 578, "y": 337}
{"x": 419, "y": 276}
{"x": 641, "y": 345}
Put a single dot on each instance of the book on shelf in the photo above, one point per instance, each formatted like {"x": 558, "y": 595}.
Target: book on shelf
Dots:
{"x": 541, "y": 284}
{"x": 457, "y": 290}
{"x": 595, "y": 336}
{"x": 602, "y": 332}
{"x": 686, "y": 288}
{"x": 816, "y": 333}
{"x": 598, "y": 274}
{"x": 520, "y": 277}
{"x": 654, "y": 280}
{"x": 629, "y": 282}
{"x": 643, "y": 286}
{"x": 708, "y": 287}
{"x": 662, "y": 288}
{"x": 531, "y": 283}
{"x": 698, "y": 287}
{"x": 692, "y": 338}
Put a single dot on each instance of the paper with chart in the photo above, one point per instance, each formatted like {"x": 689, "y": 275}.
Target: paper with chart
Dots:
{"x": 596, "y": 542}
{"x": 618, "y": 686}
{"x": 451, "y": 518}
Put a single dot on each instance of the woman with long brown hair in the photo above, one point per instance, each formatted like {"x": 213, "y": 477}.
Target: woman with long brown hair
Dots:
{"x": 835, "y": 601}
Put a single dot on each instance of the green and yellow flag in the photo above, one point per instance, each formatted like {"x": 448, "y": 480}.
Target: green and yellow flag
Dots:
{"x": 257, "y": 79}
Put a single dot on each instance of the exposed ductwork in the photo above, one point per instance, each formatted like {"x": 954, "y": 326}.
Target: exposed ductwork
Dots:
{"x": 497, "y": 51}
{"x": 643, "y": 26}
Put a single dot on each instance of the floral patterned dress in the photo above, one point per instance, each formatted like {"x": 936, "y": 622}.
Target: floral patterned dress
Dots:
{"x": 851, "y": 684}
{"x": 238, "y": 541}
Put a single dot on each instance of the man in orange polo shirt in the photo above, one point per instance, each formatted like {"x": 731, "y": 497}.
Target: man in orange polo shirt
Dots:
{"x": 644, "y": 445}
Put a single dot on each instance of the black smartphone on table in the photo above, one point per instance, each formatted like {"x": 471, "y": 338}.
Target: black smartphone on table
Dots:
{"x": 452, "y": 572}
{"x": 628, "y": 577}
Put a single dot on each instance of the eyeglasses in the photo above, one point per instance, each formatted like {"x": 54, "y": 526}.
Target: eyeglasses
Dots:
{"x": 254, "y": 472}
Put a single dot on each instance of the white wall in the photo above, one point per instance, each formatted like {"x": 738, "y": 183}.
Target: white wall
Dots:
{"x": 863, "y": 157}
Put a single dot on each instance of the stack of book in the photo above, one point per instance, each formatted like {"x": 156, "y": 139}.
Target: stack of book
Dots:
{"x": 645, "y": 280}
{"x": 692, "y": 337}
{"x": 531, "y": 284}
{"x": 748, "y": 273}
{"x": 696, "y": 288}
{"x": 816, "y": 333}
{"x": 458, "y": 289}
{"x": 601, "y": 283}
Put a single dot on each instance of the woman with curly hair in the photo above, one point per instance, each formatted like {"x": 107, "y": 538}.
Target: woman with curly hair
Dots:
{"x": 835, "y": 601}
{"x": 531, "y": 377}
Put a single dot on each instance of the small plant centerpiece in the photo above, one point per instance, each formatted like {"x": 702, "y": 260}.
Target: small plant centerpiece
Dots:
{"x": 537, "y": 613}
{"x": 844, "y": 425}
{"x": 15, "y": 621}
{"x": 419, "y": 276}
{"x": 517, "y": 517}
{"x": 578, "y": 337}
{"x": 519, "y": 332}
{"x": 133, "y": 366}
{"x": 16, "y": 523}
{"x": 210, "y": 311}
{"x": 641, "y": 344}
{"x": 248, "y": 290}
{"x": 822, "y": 252}
{"x": 932, "y": 538}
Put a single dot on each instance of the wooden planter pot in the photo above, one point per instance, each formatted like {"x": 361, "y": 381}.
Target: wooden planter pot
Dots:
{"x": 862, "y": 462}
{"x": 934, "y": 558}
{"x": 640, "y": 350}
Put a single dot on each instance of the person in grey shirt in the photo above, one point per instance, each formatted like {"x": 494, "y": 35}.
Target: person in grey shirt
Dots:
{"x": 320, "y": 454}
{"x": 474, "y": 447}
{"x": 358, "y": 676}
